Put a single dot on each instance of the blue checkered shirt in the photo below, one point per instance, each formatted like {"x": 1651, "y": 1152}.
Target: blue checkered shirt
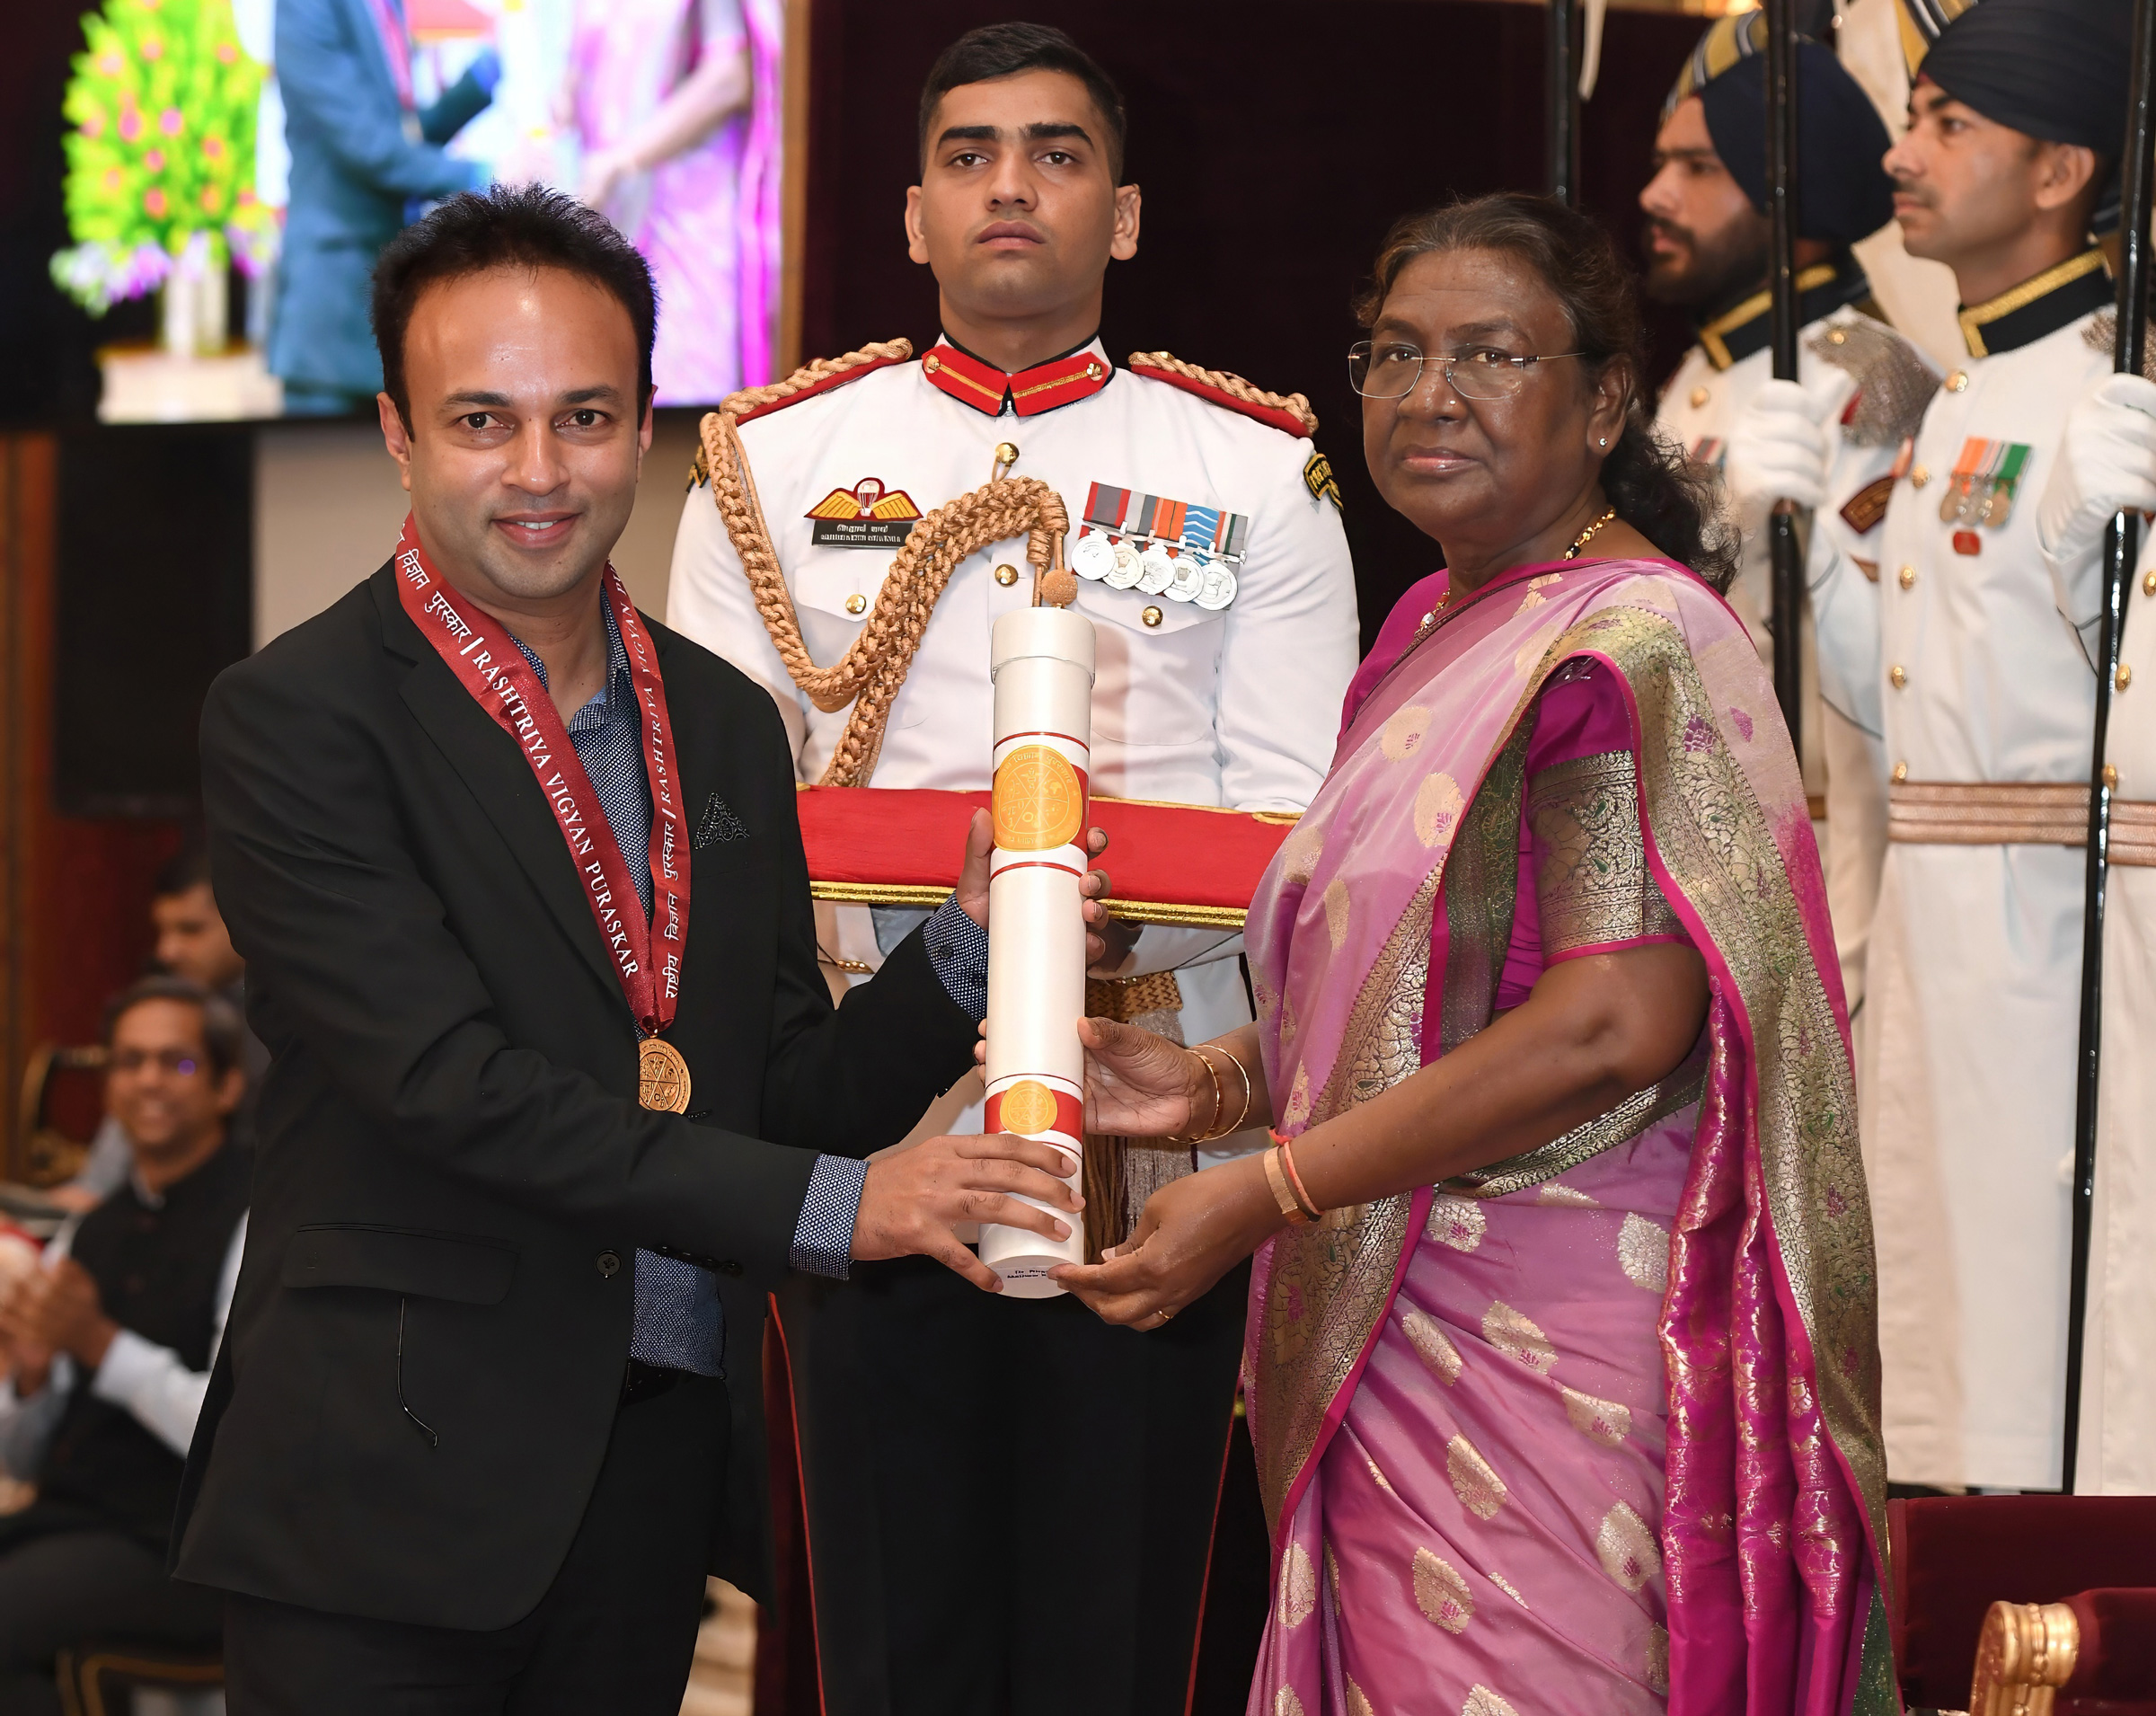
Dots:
{"x": 679, "y": 1323}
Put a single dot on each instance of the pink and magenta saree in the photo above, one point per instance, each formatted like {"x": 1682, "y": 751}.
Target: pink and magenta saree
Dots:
{"x": 1593, "y": 1430}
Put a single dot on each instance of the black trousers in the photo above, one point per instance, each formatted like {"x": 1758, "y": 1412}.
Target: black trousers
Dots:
{"x": 1009, "y": 1503}
{"x": 614, "y": 1632}
{"x": 65, "y": 1581}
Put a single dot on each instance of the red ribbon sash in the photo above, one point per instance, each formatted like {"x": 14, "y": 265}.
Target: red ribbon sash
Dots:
{"x": 646, "y": 957}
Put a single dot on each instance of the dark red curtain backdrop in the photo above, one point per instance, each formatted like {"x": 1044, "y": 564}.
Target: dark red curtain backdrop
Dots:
{"x": 1274, "y": 144}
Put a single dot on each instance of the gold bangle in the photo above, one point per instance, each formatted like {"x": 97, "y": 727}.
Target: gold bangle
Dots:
{"x": 1283, "y": 1194}
{"x": 1243, "y": 1119}
{"x": 1219, "y": 1102}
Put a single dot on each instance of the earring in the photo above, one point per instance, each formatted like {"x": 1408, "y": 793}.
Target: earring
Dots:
{"x": 1603, "y": 441}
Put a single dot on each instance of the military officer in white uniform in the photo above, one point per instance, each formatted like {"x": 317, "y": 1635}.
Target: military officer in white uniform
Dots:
{"x": 1206, "y": 531}
{"x": 2106, "y": 465}
{"x": 1863, "y": 391}
{"x": 1967, "y": 1056}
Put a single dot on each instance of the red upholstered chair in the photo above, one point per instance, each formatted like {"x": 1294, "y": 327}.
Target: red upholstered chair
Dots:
{"x": 2063, "y": 1570}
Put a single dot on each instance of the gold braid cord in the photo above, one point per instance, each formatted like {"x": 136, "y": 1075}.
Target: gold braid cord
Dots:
{"x": 1295, "y": 405}
{"x": 872, "y": 671}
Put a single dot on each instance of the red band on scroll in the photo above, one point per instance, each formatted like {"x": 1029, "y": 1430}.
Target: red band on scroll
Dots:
{"x": 1031, "y": 1105}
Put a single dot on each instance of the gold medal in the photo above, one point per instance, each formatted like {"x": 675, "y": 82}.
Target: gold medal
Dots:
{"x": 662, "y": 1076}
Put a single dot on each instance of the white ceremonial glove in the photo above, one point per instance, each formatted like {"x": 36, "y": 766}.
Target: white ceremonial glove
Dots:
{"x": 2106, "y": 466}
{"x": 1783, "y": 444}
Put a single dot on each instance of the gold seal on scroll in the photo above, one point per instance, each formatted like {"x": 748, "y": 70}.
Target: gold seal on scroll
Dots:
{"x": 1038, "y": 803}
{"x": 1029, "y": 1105}
{"x": 662, "y": 1076}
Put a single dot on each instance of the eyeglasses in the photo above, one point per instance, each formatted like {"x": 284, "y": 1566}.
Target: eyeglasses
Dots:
{"x": 134, "y": 1060}
{"x": 1394, "y": 369}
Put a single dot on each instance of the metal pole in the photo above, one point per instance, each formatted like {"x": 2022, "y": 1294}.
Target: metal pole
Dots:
{"x": 1786, "y": 553}
{"x": 2121, "y": 544}
{"x": 1563, "y": 96}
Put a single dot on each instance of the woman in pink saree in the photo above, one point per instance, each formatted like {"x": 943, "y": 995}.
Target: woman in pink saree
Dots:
{"x": 677, "y": 104}
{"x": 1561, "y": 1362}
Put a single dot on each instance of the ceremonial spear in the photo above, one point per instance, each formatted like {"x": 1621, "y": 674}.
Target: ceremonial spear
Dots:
{"x": 1786, "y": 553}
{"x": 2122, "y": 542}
{"x": 1564, "y": 97}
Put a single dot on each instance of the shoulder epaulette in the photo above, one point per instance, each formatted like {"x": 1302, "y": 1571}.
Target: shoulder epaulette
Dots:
{"x": 1894, "y": 385}
{"x": 2101, "y": 335}
{"x": 806, "y": 382}
{"x": 1290, "y": 413}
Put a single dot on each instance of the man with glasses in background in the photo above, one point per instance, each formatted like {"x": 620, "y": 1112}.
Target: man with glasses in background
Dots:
{"x": 105, "y": 1352}
{"x": 1828, "y": 440}
{"x": 1205, "y": 529}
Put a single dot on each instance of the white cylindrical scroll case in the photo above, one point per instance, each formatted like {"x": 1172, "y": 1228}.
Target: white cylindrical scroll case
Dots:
{"x": 1041, "y": 660}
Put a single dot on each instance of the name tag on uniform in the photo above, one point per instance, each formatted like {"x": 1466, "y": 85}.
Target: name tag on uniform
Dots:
{"x": 1129, "y": 540}
{"x": 869, "y": 515}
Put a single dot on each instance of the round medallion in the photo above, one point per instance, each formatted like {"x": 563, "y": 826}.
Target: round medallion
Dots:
{"x": 1126, "y": 568}
{"x": 1189, "y": 577}
{"x": 1029, "y": 1106}
{"x": 1039, "y": 801}
{"x": 1219, "y": 590}
{"x": 662, "y": 1076}
{"x": 1156, "y": 571}
{"x": 1092, "y": 556}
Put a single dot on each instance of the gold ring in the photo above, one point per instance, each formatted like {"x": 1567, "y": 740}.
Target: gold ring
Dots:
{"x": 1164, "y": 1314}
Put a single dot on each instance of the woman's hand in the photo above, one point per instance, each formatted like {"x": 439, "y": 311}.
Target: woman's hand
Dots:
{"x": 604, "y": 171}
{"x": 1137, "y": 1084}
{"x": 1140, "y": 1085}
{"x": 1192, "y": 1232}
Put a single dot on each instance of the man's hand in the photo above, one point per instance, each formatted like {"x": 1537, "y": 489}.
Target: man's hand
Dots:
{"x": 57, "y": 1310}
{"x": 1782, "y": 444}
{"x": 23, "y": 1356}
{"x": 1191, "y": 1232}
{"x": 972, "y": 890}
{"x": 2106, "y": 466}
{"x": 912, "y": 1199}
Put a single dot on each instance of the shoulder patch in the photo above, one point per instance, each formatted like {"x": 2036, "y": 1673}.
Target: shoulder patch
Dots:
{"x": 1318, "y": 478}
{"x": 1290, "y": 413}
{"x": 1894, "y": 385}
{"x": 2101, "y": 335}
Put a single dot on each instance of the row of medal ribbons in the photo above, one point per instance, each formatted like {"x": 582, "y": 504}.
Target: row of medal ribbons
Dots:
{"x": 1177, "y": 571}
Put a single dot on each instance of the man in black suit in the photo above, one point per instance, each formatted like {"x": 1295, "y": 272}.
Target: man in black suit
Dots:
{"x": 488, "y": 1409}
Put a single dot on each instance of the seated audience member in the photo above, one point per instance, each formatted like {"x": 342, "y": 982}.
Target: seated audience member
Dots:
{"x": 191, "y": 943}
{"x": 106, "y": 1349}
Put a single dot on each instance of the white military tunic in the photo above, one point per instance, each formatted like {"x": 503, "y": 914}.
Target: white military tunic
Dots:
{"x": 1236, "y": 707}
{"x": 1701, "y": 404}
{"x": 1967, "y": 1095}
{"x": 2117, "y": 1454}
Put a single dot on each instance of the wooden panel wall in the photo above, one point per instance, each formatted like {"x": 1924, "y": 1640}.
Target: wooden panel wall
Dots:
{"x": 75, "y": 891}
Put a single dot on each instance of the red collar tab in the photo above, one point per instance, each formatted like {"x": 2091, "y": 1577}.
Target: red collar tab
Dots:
{"x": 1042, "y": 388}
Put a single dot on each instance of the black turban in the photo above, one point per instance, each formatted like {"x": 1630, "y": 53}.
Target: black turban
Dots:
{"x": 2054, "y": 69}
{"x": 1843, "y": 192}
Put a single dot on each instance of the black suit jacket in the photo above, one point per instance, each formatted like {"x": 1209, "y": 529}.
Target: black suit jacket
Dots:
{"x": 453, "y": 1172}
